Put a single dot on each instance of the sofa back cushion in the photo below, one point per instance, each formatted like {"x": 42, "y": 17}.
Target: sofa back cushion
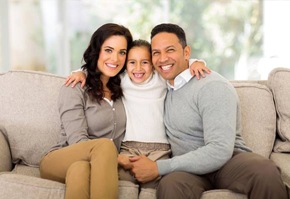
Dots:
{"x": 258, "y": 116}
{"x": 279, "y": 83}
{"x": 28, "y": 105}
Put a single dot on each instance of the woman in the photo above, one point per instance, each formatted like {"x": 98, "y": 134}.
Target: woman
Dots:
{"x": 92, "y": 120}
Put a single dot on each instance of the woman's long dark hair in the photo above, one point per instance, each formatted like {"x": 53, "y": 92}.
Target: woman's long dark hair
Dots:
{"x": 91, "y": 56}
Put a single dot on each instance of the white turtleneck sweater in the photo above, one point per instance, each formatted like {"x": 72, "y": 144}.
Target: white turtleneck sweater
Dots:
{"x": 144, "y": 105}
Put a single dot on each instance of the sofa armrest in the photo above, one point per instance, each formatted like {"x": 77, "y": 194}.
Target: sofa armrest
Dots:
{"x": 5, "y": 155}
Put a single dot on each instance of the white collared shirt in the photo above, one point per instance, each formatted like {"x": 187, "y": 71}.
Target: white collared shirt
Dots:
{"x": 180, "y": 80}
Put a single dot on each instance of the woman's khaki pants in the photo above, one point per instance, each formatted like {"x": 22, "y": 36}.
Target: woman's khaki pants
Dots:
{"x": 89, "y": 169}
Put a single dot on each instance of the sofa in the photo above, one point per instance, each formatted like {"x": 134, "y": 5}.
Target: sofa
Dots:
{"x": 29, "y": 126}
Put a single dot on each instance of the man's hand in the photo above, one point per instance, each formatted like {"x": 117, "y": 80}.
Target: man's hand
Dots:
{"x": 144, "y": 169}
{"x": 75, "y": 78}
{"x": 123, "y": 161}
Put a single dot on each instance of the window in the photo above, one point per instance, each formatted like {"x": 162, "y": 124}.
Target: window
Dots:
{"x": 4, "y": 37}
{"x": 241, "y": 39}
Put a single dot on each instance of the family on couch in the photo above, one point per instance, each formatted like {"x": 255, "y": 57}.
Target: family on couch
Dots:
{"x": 201, "y": 118}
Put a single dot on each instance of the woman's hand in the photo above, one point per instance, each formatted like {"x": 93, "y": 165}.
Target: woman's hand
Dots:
{"x": 75, "y": 78}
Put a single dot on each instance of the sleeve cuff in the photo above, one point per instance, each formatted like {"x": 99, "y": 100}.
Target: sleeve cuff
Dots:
{"x": 80, "y": 70}
{"x": 194, "y": 60}
{"x": 164, "y": 166}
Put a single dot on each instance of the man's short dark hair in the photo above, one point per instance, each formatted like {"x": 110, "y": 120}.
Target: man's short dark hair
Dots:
{"x": 170, "y": 28}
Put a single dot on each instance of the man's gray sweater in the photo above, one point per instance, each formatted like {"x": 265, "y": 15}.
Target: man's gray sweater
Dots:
{"x": 203, "y": 125}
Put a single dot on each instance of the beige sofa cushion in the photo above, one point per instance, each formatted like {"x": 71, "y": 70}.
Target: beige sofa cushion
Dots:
{"x": 26, "y": 170}
{"x": 14, "y": 186}
{"x": 222, "y": 193}
{"x": 282, "y": 160}
{"x": 258, "y": 116}
{"x": 29, "y": 115}
{"x": 281, "y": 146}
{"x": 279, "y": 83}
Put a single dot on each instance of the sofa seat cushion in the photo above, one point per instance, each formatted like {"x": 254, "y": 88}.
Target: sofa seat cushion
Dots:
{"x": 279, "y": 83}
{"x": 258, "y": 116}
{"x": 222, "y": 193}
{"x": 282, "y": 160}
{"x": 128, "y": 189}
{"x": 29, "y": 114}
{"x": 281, "y": 146}
{"x": 14, "y": 186}
{"x": 26, "y": 170}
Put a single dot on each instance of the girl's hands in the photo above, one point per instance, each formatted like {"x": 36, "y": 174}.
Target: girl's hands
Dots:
{"x": 75, "y": 78}
{"x": 198, "y": 68}
{"x": 124, "y": 161}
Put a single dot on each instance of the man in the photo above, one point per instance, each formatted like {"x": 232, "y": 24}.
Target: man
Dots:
{"x": 203, "y": 125}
